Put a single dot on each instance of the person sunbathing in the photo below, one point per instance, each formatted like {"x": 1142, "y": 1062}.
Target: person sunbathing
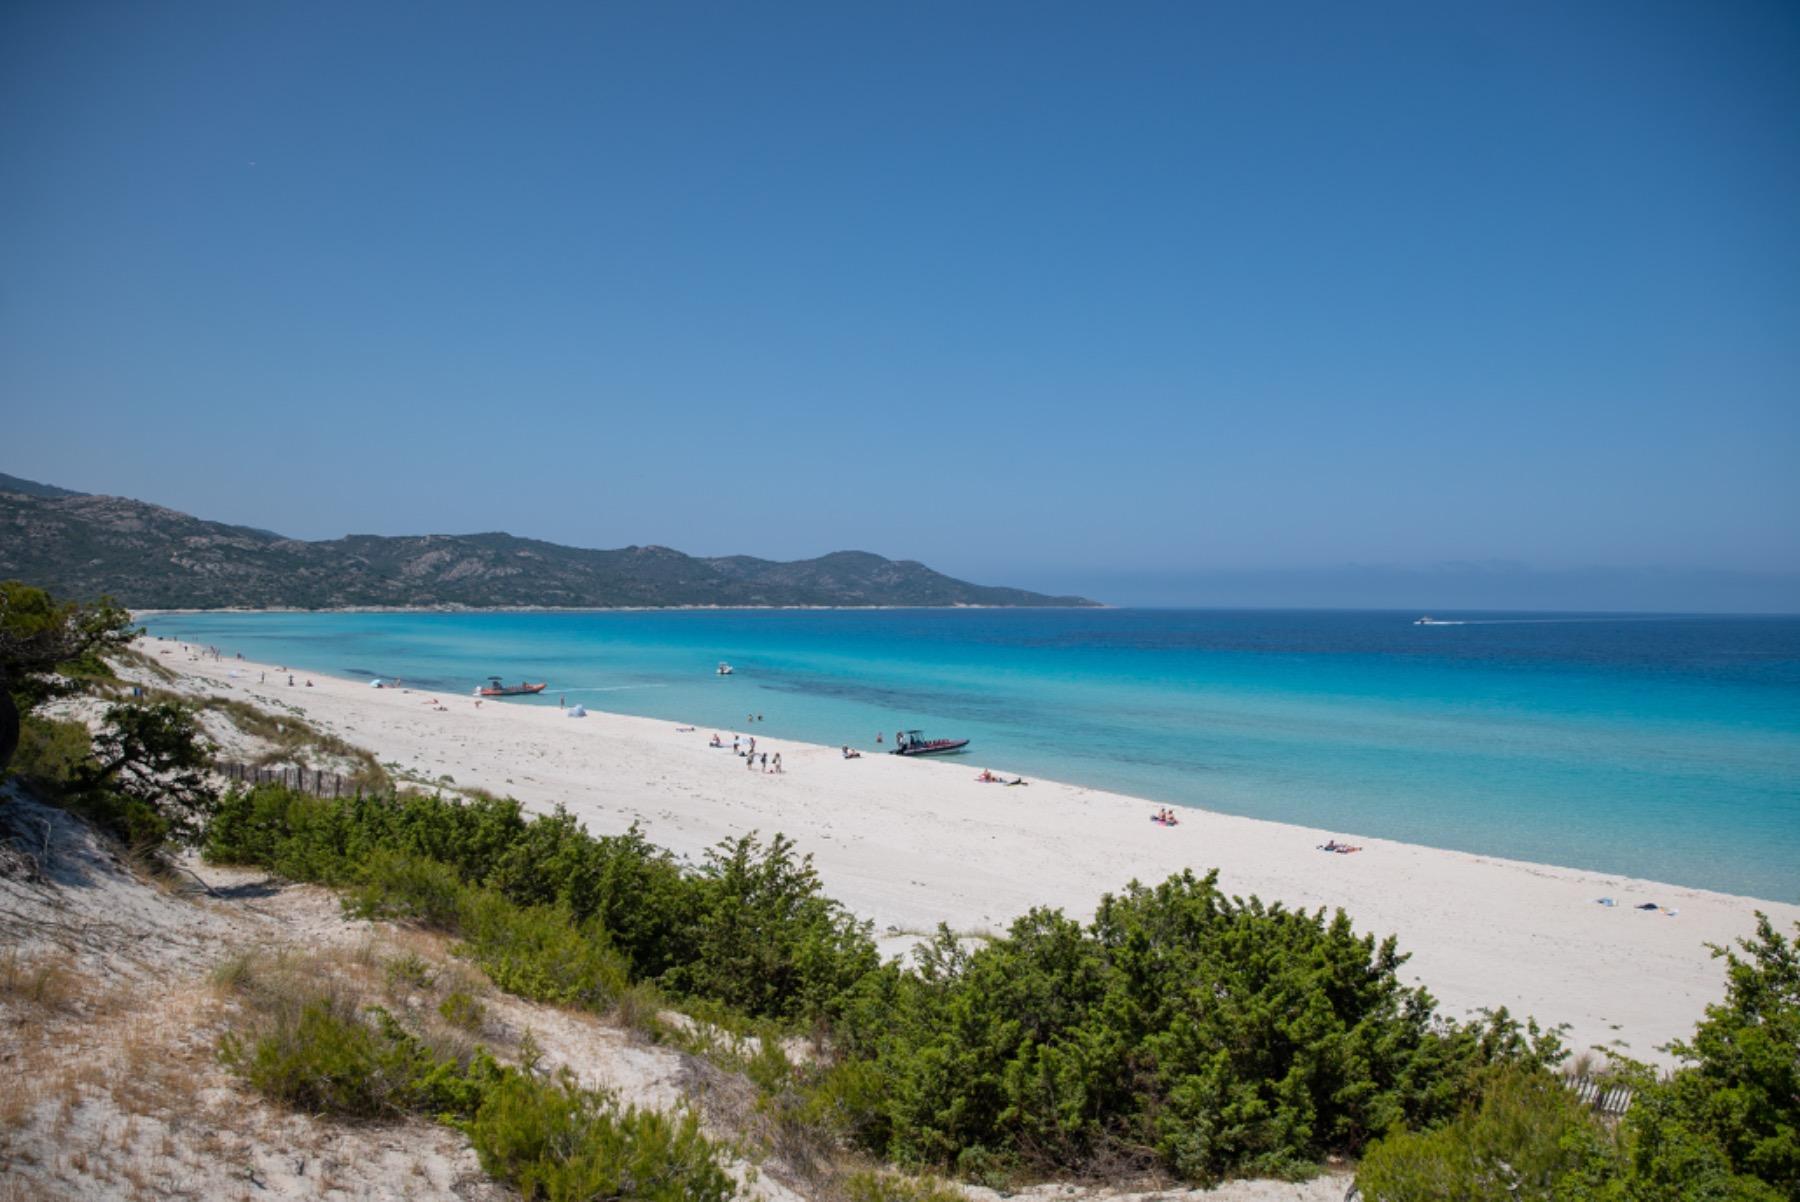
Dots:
{"x": 851, "y": 755}
{"x": 987, "y": 778}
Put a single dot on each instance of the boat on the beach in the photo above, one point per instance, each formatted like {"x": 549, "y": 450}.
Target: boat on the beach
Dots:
{"x": 493, "y": 688}
{"x": 725, "y": 669}
{"x": 912, "y": 742}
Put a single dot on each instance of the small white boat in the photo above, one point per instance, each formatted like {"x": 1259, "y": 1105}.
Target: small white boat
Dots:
{"x": 724, "y": 668}
{"x": 1428, "y": 620}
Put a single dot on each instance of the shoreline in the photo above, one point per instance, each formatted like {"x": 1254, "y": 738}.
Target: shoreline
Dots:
{"x": 910, "y": 843}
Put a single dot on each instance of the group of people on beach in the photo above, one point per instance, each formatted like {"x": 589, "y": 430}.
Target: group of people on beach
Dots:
{"x": 1165, "y": 817}
{"x": 988, "y": 778}
{"x": 745, "y": 745}
{"x": 1342, "y": 849}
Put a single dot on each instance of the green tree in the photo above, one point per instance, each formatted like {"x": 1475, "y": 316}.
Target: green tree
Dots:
{"x": 767, "y": 940}
{"x": 147, "y": 779}
{"x": 40, "y": 635}
{"x": 1733, "y": 1114}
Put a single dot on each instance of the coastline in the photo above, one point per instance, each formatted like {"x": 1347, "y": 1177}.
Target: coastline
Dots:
{"x": 450, "y": 608}
{"x": 908, "y": 844}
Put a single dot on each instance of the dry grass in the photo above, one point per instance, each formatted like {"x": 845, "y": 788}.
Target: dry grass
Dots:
{"x": 132, "y": 657}
{"x": 290, "y": 739}
{"x": 45, "y": 981}
{"x": 287, "y": 738}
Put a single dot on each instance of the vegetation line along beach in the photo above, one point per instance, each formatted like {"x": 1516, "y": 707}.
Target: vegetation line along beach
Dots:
{"x": 737, "y": 945}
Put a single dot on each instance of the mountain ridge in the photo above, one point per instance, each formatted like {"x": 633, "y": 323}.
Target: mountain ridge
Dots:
{"x": 149, "y": 556}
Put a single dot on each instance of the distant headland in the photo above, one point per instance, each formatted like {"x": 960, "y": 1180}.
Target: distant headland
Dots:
{"x": 149, "y": 557}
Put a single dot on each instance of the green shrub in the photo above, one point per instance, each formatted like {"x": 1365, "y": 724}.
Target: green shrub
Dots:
{"x": 407, "y": 888}
{"x": 324, "y": 1058}
{"x": 549, "y": 1138}
{"x": 407, "y": 973}
{"x": 890, "y": 1187}
{"x": 1528, "y": 1140}
{"x": 540, "y": 952}
{"x": 1727, "y": 1124}
{"x": 767, "y": 940}
{"x": 1228, "y": 1036}
{"x": 462, "y": 1011}
{"x": 1181, "y": 1027}
{"x": 555, "y": 1141}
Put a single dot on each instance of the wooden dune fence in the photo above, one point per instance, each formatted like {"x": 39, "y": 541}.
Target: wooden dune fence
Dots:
{"x": 316, "y": 781}
{"x": 1607, "y": 1099}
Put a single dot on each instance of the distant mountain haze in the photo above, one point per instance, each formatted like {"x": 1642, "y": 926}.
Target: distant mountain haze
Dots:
{"x": 148, "y": 557}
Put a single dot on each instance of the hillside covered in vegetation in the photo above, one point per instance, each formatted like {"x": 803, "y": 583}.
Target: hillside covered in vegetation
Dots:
{"x": 149, "y": 557}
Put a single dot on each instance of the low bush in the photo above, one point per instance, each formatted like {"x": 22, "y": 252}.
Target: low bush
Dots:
{"x": 1724, "y": 1127}
{"x": 752, "y": 931}
{"x": 1215, "y": 1035}
{"x": 323, "y": 1057}
{"x": 317, "y": 1052}
{"x": 553, "y": 1140}
{"x": 542, "y": 952}
{"x": 1181, "y": 1030}
{"x": 767, "y": 941}
{"x": 407, "y": 888}
{"x": 462, "y": 1011}
{"x": 890, "y": 1187}
{"x": 1528, "y": 1139}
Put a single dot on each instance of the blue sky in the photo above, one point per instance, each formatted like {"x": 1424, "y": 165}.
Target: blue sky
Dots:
{"x": 1129, "y": 299}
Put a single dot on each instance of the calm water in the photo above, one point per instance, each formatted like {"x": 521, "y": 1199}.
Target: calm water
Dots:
{"x": 1666, "y": 748}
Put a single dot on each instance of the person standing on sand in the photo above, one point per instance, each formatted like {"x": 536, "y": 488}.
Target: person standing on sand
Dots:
{"x": 778, "y": 761}
{"x": 750, "y": 762}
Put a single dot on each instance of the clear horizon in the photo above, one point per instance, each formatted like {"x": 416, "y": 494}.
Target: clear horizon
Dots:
{"x": 1406, "y": 307}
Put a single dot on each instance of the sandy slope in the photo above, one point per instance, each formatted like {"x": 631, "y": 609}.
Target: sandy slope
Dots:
{"x": 111, "y": 1014}
{"x": 911, "y": 843}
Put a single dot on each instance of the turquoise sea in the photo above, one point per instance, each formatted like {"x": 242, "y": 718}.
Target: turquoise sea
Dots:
{"x": 1660, "y": 747}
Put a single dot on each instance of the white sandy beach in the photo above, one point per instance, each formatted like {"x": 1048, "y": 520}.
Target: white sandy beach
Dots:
{"x": 911, "y": 843}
